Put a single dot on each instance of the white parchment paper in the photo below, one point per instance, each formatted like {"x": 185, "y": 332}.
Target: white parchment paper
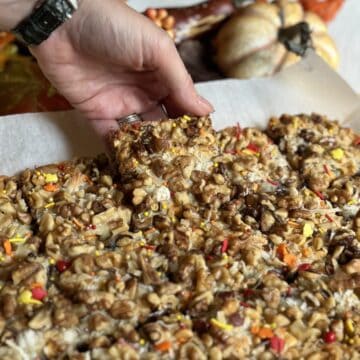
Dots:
{"x": 344, "y": 29}
{"x": 310, "y": 86}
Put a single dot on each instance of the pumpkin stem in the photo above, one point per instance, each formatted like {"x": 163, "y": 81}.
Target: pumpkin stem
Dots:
{"x": 296, "y": 38}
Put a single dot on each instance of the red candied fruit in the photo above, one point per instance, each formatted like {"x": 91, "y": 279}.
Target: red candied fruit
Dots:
{"x": 38, "y": 293}
{"x": 62, "y": 265}
{"x": 330, "y": 337}
{"x": 304, "y": 267}
{"x": 277, "y": 344}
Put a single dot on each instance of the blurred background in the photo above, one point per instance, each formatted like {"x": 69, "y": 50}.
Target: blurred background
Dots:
{"x": 216, "y": 39}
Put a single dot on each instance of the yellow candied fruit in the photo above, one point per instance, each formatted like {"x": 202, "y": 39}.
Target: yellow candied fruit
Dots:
{"x": 308, "y": 230}
{"x": 250, "y": 152}
{"x": 49, "y": 205}
{"x": 307, "y": 192}
{"x": 142, "y": 342}
{"x": 97, "y": 253}
{"x": 52, "y": 261}
{"x": 17, "y": 240}
{"x": 221, "y": 325}
{"x": 146, "y": 213}
{"x": 174, "y": 125}
{"x": 186, "y": 117}
{"x": 337, "y": 154}
{"x": 295, "y": 121}
{"x": 51, "y": 178}
{"x": 179, "y": 317}
{"x": 352, "y": 202}
{"x": 216, "y": 164}
{"x": 164, "y": 206}
{"x": 349, "y": 327}
{"x": 25, "y": 297}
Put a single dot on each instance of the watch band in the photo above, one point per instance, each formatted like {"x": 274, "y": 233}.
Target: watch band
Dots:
{"x": 44, "y": 20}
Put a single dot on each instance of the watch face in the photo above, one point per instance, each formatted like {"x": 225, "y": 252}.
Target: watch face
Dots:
{"x": 44, "y": 20}
{"x": 48, "y": 20}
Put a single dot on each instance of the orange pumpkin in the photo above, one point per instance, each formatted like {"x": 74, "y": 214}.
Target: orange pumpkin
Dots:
{"x": 326, "y": 9}
{"x": 263, "y": 38}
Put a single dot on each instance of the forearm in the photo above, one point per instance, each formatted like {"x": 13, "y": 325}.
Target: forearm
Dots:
{"x": 13, "y": 11}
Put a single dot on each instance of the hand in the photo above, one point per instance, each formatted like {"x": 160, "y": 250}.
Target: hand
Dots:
{"x": 109, "y": 61}
{"x": 13, "y": 11}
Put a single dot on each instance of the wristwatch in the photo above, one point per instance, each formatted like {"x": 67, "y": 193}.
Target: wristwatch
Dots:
{"x": 45, "y": 18}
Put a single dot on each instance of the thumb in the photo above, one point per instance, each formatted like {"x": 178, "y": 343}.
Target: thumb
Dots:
{"x": 182, "y": 97}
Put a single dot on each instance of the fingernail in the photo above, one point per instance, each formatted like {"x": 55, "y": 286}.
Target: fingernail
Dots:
{"x": 206, "y": 103}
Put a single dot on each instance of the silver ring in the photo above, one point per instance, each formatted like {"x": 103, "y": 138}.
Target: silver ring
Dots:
{"x": 129, "y": 119}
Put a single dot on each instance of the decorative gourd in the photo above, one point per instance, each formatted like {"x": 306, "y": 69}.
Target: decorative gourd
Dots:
{"x": 184, "y": 23}
{"x": 262, "y": 38}
{"x": 326, "y": 9}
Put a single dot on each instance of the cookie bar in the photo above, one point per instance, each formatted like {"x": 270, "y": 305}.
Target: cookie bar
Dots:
{"x": 16, "y": 235}
{"x": 327, "y": 158}
{"x": 272, "y": 198}
{"x": 221, "y": 251}
{"x": 179, "y": 176}
{"x": 320, "y": 149}
{"x": 76, "y": 206}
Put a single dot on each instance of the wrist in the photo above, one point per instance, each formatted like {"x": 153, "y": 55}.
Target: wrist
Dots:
{"x": 12, "y": 12}
{"x": 46, "y": 17}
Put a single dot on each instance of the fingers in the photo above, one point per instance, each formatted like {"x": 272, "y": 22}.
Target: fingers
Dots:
{"x": 196, "y": 105}
{"x": 104, "y": 128}
{"x": 182, "y": 97}
{"x": 115, "y": 102}
{"x": 156, "y": 113}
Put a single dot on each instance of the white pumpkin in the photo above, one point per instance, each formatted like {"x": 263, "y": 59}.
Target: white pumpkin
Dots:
{"x": 256, "y": 41}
